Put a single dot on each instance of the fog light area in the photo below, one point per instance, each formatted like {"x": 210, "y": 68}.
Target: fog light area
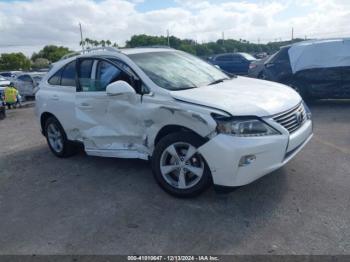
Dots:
{"x": 246, "y": 160}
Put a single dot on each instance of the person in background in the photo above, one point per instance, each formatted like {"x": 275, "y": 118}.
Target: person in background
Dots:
{"x": 11, "y": 96}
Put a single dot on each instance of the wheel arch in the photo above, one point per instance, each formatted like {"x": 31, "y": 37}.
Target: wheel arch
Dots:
{"x": 169, "y": 129}
{"x": 43, "y": 118}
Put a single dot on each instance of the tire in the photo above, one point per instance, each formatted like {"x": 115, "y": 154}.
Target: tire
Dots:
{"x": 179, "y": 174}
{"x": 57, "y": 140}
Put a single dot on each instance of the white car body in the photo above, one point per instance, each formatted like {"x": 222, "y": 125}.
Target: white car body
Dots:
{"x": 128, "y": 126}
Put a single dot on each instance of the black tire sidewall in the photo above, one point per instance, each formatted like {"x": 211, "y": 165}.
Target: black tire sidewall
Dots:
{"x": 195, "y": 141}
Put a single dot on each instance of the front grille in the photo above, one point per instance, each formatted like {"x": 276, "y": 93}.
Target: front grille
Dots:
{"x": 292, "y": 119}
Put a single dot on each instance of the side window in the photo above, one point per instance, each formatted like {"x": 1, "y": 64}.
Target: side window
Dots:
{"x": 68, "y": 75}
{"x": 237, "y": 59}
{"x": 108, "y": 73}
{"x": 224, "y": 58}
{"x": 56, "y": 78}
{"x": 283, "y": 56}
{"x": 85, "y": 69}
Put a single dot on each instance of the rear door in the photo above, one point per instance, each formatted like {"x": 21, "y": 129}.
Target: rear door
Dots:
{"x": 322, "y": 82}
{"x": 225, "y": 62}
{"x": 240, "y": 65}
{"x": 59, "y": 96}
{"x": 107, "y": 125}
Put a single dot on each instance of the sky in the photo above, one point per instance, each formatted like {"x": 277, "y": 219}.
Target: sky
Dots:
{"x": 28, "y": 25}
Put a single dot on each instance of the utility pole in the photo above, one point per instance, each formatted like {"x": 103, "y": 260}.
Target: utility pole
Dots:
{"x": 292, "y": 33}
{"x": 168, "y": 36}
{"x": 81, "y": 37}
{"x": 223, "y": 38}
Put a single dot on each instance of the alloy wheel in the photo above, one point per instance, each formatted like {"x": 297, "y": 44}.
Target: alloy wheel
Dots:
{"x": 55, "y": 137}
{"x": 181, "y": 165}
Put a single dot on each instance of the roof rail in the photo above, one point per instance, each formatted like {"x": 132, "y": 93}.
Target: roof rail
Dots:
{"x": 89, "y": 50}
{"x": 155, "y": 46}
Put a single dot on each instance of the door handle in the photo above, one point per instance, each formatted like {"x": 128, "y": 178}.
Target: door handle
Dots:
{"x": 55, "y": 97}
{"x": 85, "y": 106}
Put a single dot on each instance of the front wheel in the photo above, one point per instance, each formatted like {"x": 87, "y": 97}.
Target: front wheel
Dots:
{"x": 178, "y": 167}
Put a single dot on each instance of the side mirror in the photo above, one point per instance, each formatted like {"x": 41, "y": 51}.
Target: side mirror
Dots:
{"x": 119, "y": 88}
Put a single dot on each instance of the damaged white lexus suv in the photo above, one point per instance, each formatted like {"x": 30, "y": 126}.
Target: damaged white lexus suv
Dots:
{"x": 197, "y": 125}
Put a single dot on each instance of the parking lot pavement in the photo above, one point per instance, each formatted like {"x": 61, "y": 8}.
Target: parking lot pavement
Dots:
{"x": 89, "y": 205}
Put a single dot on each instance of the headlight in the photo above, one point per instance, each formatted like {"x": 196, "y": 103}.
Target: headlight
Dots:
{"x": 245, "y": 127}
{"x": 307, "y": 111}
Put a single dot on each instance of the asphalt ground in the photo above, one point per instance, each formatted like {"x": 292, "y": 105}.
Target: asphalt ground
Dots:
{"x": 90, "y": 205}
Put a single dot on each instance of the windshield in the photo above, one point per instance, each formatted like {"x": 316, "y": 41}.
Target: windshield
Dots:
{"x": 177, "y": 70}
{"x": 248, "y": 56}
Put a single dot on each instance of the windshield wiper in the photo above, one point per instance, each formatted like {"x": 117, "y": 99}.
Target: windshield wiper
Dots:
{"x": 184, "y": 88}
{"x": 218, "y": 81}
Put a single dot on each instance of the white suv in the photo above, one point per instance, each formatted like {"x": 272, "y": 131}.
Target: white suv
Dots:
{"x": 197, "y": 124}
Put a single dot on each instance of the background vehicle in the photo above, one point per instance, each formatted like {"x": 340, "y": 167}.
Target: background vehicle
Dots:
{"x": 234, "y": 63}
{"x": 316, "y": 69}
{"x": 26, "y": 84}
{"x": 261, "y": 55}
{"x": 196, "y": 124}
{"x": 256, "y": 68}
{"x": 10, "y": 75}
{"x": 4, "y": 82}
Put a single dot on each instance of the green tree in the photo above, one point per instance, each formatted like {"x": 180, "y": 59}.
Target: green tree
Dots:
{"x": 188, "y": 48}
{"x": 52, "y": 53}
{"x": 14, "y": 61}
{"x": 40, "y": 63}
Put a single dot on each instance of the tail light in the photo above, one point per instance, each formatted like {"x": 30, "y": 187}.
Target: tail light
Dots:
{"x": 252, "y": 66}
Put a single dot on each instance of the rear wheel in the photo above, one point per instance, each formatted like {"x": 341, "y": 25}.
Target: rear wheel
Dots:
{"x": 178, "y": 167}
{"x": 57, "y": 139}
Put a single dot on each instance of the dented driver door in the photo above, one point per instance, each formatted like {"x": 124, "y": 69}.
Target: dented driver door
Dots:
{"x": 109, "y": 126}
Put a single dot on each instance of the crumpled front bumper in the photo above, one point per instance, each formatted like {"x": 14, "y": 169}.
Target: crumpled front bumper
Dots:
{"x": 224, "y": 152}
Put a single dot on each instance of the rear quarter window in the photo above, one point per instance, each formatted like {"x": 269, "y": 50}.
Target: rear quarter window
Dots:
{"x": 56, "y": 78}
{"x": 65, "y": 76}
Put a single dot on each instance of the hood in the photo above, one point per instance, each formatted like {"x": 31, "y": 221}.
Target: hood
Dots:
{"x": 243, "y": 96}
